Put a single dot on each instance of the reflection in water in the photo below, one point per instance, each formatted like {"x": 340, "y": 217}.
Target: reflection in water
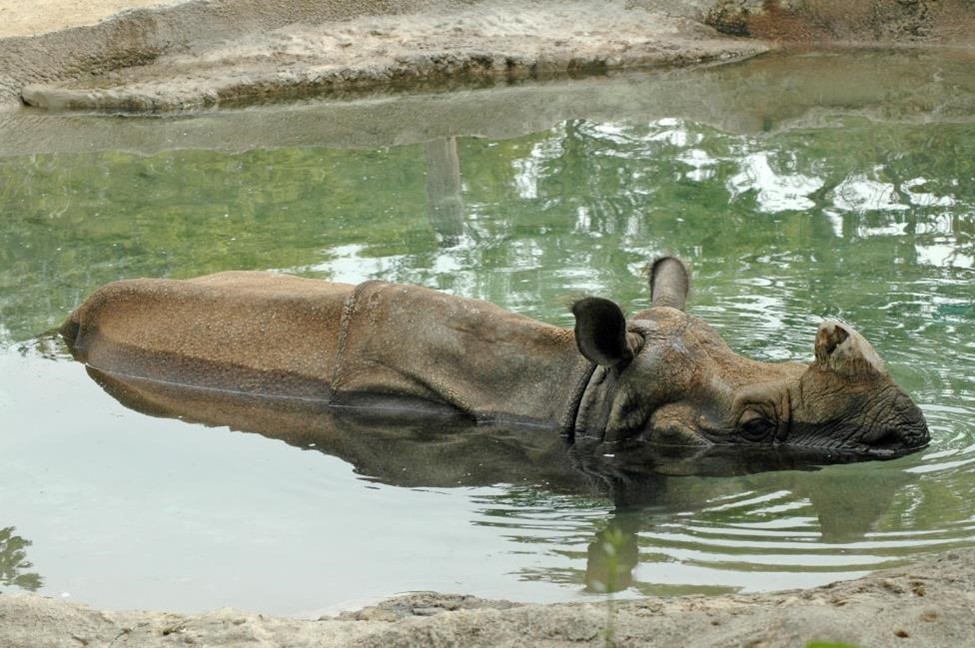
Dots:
{"x": 773, "y": 192}
{"x": 578, "y": 208}
{"x": 696, "y": 534}
{"x": 640, "y": 482}
{"x": 612, "y": 556}
{"x": 444, "y": 191}
{"x": 14, "y": 563}
{"x": 446, "y": 451}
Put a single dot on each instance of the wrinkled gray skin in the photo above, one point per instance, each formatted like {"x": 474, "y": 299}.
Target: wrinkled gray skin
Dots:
{"x": 667, "y": 377}
{"x": 664, "y": 378}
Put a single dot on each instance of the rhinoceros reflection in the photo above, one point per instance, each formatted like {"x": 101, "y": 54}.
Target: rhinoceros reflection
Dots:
{"x": 445, "y": 197}
{"x": 640, "y": 481}
{"x": 847, "y": 507}
{"x": 451, "y": 451}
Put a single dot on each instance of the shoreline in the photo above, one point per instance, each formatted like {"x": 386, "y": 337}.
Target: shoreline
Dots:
{"x": 929, "y": 603}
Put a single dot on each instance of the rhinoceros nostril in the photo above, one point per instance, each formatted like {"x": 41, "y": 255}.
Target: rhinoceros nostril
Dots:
{"x": 884, "y": 437}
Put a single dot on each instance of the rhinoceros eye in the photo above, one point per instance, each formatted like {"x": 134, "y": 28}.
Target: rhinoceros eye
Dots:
{"x": 755, "y": 427}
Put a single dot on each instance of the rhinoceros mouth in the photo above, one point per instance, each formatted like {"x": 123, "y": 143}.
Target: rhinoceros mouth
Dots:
{"x": 713, "y": 460}
{"x": 882, "y": 442}
{"x": 890, "y": 445}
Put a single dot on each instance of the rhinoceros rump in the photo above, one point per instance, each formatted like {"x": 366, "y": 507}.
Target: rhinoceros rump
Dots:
{"x": 663, "y": 377}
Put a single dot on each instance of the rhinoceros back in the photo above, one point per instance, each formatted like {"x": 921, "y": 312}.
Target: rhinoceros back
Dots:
{"x": 235, "y": 331}
{"x": 376, "y": 346}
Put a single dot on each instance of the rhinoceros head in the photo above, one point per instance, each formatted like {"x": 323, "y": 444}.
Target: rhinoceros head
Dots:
{"x": 847, "y": 399}
{"x": 666, "y": 377}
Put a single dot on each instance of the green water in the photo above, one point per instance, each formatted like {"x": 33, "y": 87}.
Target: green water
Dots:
{"x": 866, "y": 217}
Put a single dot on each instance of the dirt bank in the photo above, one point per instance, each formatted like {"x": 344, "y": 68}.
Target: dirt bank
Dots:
{"x": 930, "y": 604}
{"x": 768, "y": 94}
{"x": 163, "y": 55}
{"x": 200, "y": 54}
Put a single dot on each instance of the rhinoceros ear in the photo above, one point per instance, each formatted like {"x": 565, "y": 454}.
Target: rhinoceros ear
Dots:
{"x": 601, "y": 332}
{"x": 841, "y": 349}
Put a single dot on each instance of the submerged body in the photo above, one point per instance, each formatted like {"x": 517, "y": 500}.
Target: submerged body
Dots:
{"x": 663, "y": 377}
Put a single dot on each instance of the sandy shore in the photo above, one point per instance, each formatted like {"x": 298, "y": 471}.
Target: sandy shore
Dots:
{"x": 930, "y": 604}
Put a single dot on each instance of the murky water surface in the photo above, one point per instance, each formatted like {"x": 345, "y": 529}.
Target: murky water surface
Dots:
{"x": 862, "y": 208}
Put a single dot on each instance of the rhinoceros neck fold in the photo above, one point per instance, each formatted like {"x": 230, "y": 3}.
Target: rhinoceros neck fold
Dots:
{"x": 493, "y": 365}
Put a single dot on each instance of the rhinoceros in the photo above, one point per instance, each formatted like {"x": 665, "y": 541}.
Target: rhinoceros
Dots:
{"x": 663, "y": 377}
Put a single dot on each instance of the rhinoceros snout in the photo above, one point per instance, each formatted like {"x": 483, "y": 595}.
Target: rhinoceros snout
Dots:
{"x": 895, "y": 438}
{"x": 908, "y": 431}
